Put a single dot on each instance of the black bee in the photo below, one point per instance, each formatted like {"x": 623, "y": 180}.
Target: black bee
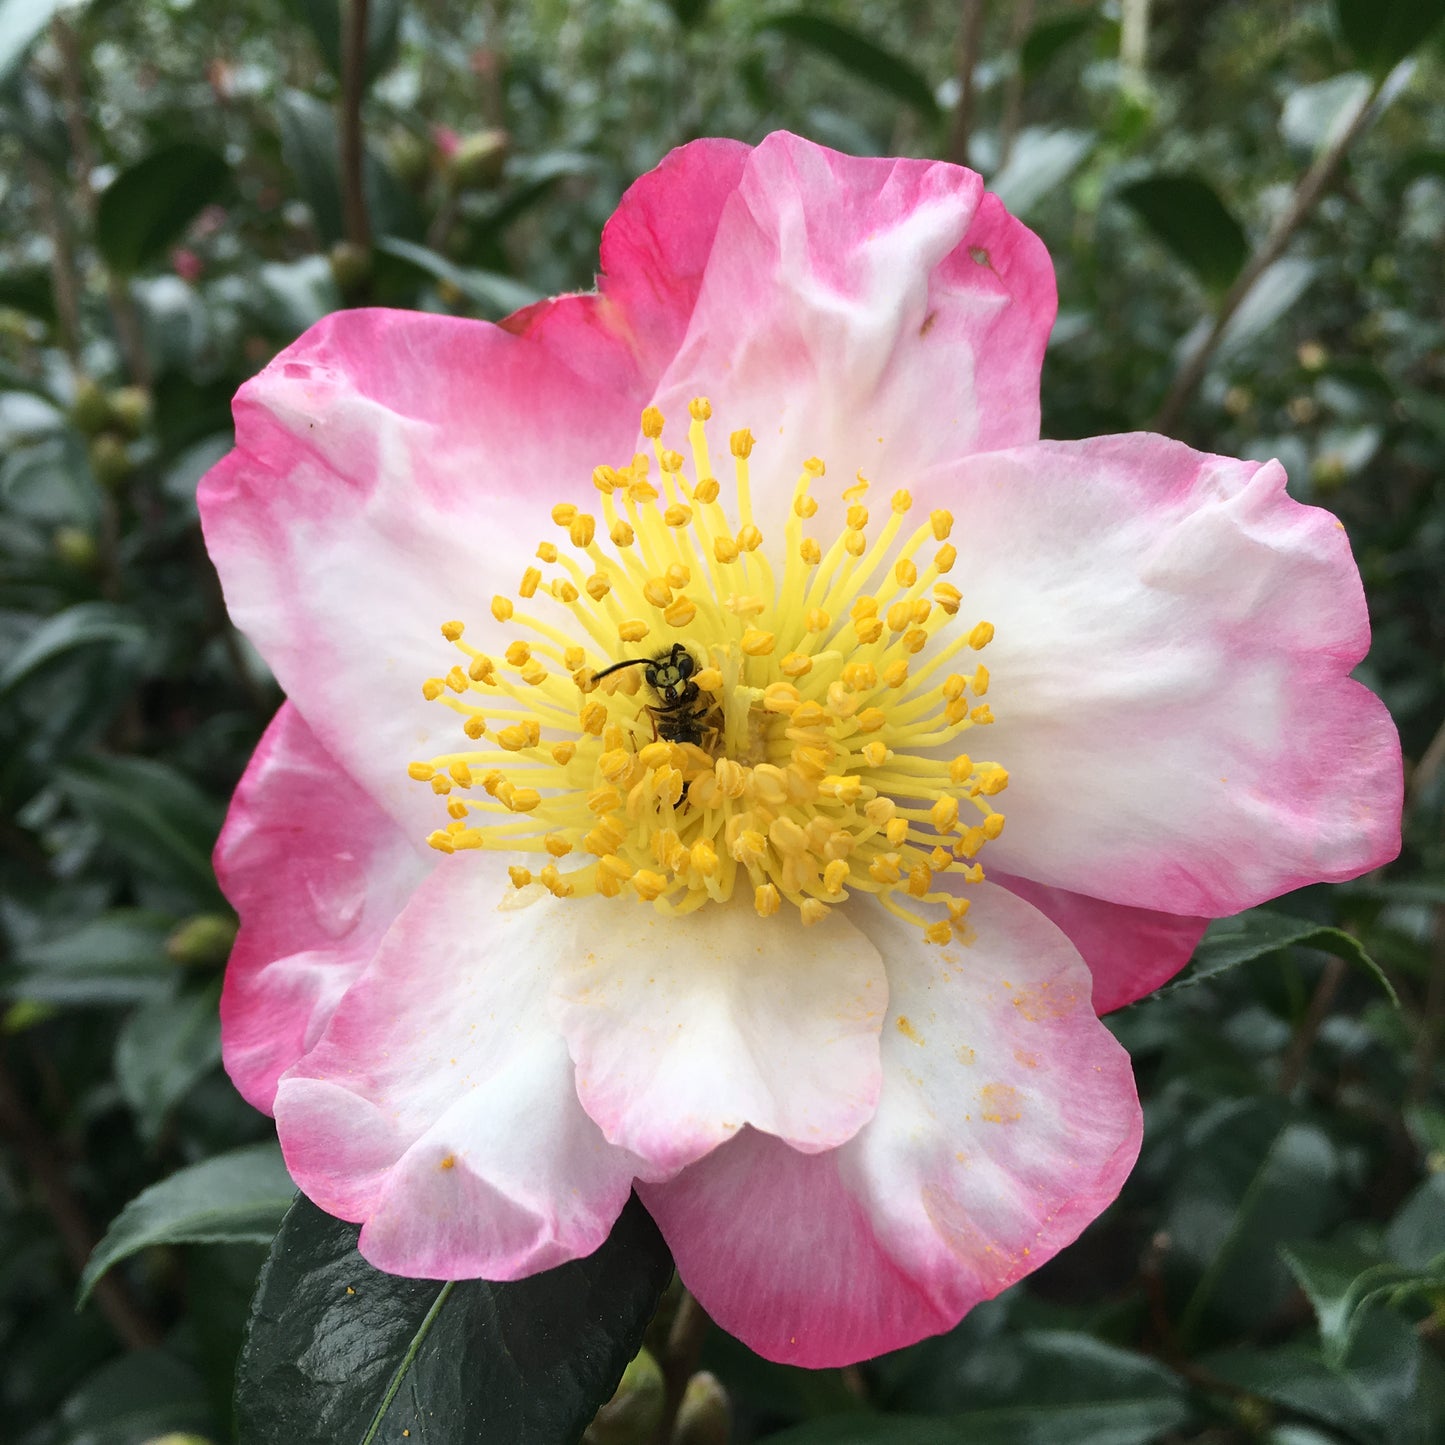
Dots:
{"x": 681, "y": 711}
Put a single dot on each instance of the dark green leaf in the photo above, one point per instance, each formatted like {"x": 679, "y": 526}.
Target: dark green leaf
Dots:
{"x": 159, "y": 821}
{"x": 858, "y": 54}
{"x": 383, "y": 30}
{"x": 134, "y": 1400}
{"x": 1186, "y": 214}
{"x": 1416, "y": 1236}
{"x": 1051, "y": 37}
{"x": 21, "y": 22}
{"x": 338, "y": 1353}
{"x": 149, "y": 204}
{"x": 85, "y": 625}
{"x": 1249, "y": 937}
{"x": 1381, "y": 33}
{"x": 235, "y": 1198}
{"x": 163, "y": 1049}
{"x": 495, "y": 294}
{"x": 117, "y": 958}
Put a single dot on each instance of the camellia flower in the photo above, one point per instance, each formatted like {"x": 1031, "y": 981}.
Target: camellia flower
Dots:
{"x": 729, "y": 755}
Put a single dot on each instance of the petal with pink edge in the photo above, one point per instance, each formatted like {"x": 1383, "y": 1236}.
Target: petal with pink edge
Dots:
{"x": 438, "y": 1109}
{"x": 392, "y": 472}
{"x": 1008, "y": 1121}
{"x": 317, "y": 873}
{"x": 685, "y": 1029}
{"x": 883, "y": 314}
{"x": 1130, "y": 951}
{"x": 1170, "y": 675}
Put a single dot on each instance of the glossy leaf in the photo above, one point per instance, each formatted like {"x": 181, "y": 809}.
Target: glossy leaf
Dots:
{"x": 164, "y": 1048}
{"x": 1185, "y": 213}
{"x": 338, "y": 1353}
{"x": 148, "y": 205}
{"x": 1040, "y": 162}
{"x": 114, "y": 959}
{"x": 85, "y": 625}
{"x": 1381, "y": 33}
{"x": 858, "y": 54}
{"x": 235, "y": 1198}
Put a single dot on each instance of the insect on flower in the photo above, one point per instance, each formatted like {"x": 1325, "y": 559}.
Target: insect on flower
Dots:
{"x": 680, "y": 711}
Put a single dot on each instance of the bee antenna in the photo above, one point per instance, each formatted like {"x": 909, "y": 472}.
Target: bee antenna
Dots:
{"x": 618, "y": 666}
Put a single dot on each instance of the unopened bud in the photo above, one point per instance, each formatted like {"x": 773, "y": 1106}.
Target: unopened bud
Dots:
{"x": 109, "y": 459}
{"x": 634, "y": 1413}
{"x": 75, "y": 547}
{"x": 89, "y": 411}
{"x": 704, "y": 1417}
{"x": 130, "y": 409}
{"x": 350, "y": 265}
{"x": 478, "y": 159}
{"x": 203, "y": 941}
{"x": 178, "y": 1437}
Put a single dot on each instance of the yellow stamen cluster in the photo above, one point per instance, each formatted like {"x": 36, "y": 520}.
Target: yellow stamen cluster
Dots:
{"x": 820, "y": 755}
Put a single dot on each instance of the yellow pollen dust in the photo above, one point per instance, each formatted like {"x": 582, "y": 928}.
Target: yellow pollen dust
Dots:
{"x": 663, "y": 714}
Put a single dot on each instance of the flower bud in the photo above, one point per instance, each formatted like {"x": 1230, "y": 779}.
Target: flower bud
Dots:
{"x": 478, "y": 159}
{"x": 203, "y": 941}
{"x": 633, "y": 1414}
{"x": 89, "y": 411}
{"x": 130, "y": 409}
{"x": 178, "y": 1437}
{"x": 110, "y": 459}
{"x": 704, "y": 1417}
{"x": 350, "y": 265}
{"x": 75, "y": 547}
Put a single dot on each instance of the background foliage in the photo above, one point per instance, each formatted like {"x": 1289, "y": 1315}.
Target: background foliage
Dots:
{"x": 174, "y": 211}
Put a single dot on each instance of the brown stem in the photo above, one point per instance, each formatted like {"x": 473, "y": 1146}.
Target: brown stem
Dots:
{"x": 970, "y": 38}
{"x": 353, "y": 151}
{"x": 679, "y": 1360}
{"x": 1292, "y": 1069}
{"x": 1308, "y": 194}
{"x": 37, "y": 1152}
{"x": 62, "y": 259}
{"x": 1021, "y": 22}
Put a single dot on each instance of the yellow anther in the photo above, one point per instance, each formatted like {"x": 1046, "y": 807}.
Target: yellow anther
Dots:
{"x": 461, "y": 775}
{"x": 593, "y": 718}
{"x": 795, "y": 664}
{"x": 957, "y": 907}
{"x": 981, "y": 635}
{"x": 868, "y": 629}
{"x": 677, "y": 515}
{"x": 992, "y": 826}
{"x": 982, "y": 714}
{"x": 634, "y": 629}
{"x": 835, "y": 875}
{"x": 940, "y": 858}
{"x": 875, "y": 754}
{"x": 613, "y": 736}
{"x": 879, "y": 810}
{"x": 564, "y": 591}
{"x": 709, "y": 679}
{"x": 810, "y": 551}
{"x": 865, "y": 606}
{"x": 671, "y": 462}
{"x": 703, "y": 857}
{"x": 725, "y": 549}
{"x": 556, "y": 845}
{"x": 456, "y": 808}
{"x": 871, "y": 719}
{"x": 945, "y": 557}
{"x": 527, "y": 587}
{"x": 953, "y": 686}
{"x": 948, "y": 597}
{"x": 956, "y": 711}
{"x": 939, "y": 933}
{"x": 860, "y": 676}
{"x": 616, "y": 765}
{"x": 433, "y": 688}
{"x": 920, "y": 879}
{"x": 992, "y": 779}
{"x": 899, "y": 615}
{"x": 621, "y": 533}
{"x": 475, "y": 726}
{"x": 677, "y": 576}
{"x": 441, "y": 842}
{"x": 787, "y": 837}
{"x": 573, "y": 658}
{"x": 421, "y": 772}
{"x": 679, "y": 612}
{"x": 700, "y": 409}
{"x": 746, "y": 604}
{"x": 452, "y": 630}
{"x": 817, "y": 620}
{"x": 518, "y": 652}
{"x": 520, "y": 877}
{"x": 896, "y": 832}
{"x": 599, "y": 584}
{"x": 482, "y": 669}
{"x": 547, "y": 551}
{"x": 606, "y": 480}
{"x": 766, "y": 900}
{"x": 502, "y": 608}
{"x": 915, "y": 640}
{"x": 513, "y": 738}
{"x": 846, "y": 790}
{"x": 524, "y": 800}
{"x": 581, "y": 529}
{"x": 749, "y": 844}
{"x": 706, "y": 490}
{"x": 563, "y": 513}
{"x": 657, "y": 592}
{"x": 652, "y": 423}
{"x": 780, "y": 697}
{"x": 809, "y": 715}
{"x": 884, "y": 868}
{"x": 842, "y": 701}
{"x": 979, "y": 685}
{"x": 563, "y": 753}
{"x": 813, "y": 910}
{"x": 805, "y": 506}
{"x": 757, "y": 643}
{"x": 855, "y": 544}
{"x": 944, "y": 813}
{"x": 901, "y": 501}
{"x": 815, "y": 467}
{"x": 555, "y": 884}
{"x": 749, "y": 538}
{"x": 969, "y": 842}
{"x": 456, "y": 679}
{"x": 740, "y": 443}
{"x": 904, "y": 572}
{"x": 942, "y": 524}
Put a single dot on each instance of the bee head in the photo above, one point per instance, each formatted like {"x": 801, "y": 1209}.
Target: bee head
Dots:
{"x": 670, "y": 672}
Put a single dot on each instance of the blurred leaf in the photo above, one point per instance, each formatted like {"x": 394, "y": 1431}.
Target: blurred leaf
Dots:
{"x": 337, "y": 1352}
{"x": 689, "y": 12}
{"x": 239, "y": 1197}
{"x": 163, "y": 1049}
{"x": 1260, "y": 932}
{"x": 27, "y": 289}
{"x": 117, "y": 958}
{"x": 1051, "y": 37}
{"x": 1315, "y": 115}
{"x": 134, "y": 1400}
{"x": 159, "y": 821}
{"x": 1381, "y": 33}
{"x": 85, "y": 625}
{"x": 148, "y": 205}
{"x": 383, "y": 30}
{"x": 1046, "y": 1387}
{"x": 1186, "y": 215}
{"x": 495, "y": 294}
{"x": 1040, "y": 162}
{"x": 21, "y": 22}
{"x": 1270, "y": 298}
{"x": 858, "y": 54}
{"x": 1416, "y": 1236}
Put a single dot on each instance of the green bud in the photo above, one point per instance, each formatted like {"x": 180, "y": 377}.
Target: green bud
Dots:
{"x": 178, "y": 1437}
{"x": 130, "y": 409}
{"x": 704, "y": 1417}
{"x": 75, "y": 547}
{"x": 634, "y": 1413}
{"x": 203, "y": 941}
{"x": 109, "y": 459}
{"x": 90, "y": 411}
{"x": 410, "y": 157}
{"x": 479, "y": 158}
{"x": 350, "y": 265}
{"x": 1328, "y": 472}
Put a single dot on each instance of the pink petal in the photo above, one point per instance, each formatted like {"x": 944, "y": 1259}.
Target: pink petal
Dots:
{"x": 1170, "y": 675}
{"x": 685, "y": 1029}
{"x": 1008, "y": 1121}
{"x": 438, "y": 1108}
{"x": 318, "y": 873}
{"x": 392, "y": 471}
{"x": 883, "y": 314}
{"x": 1130, "y": 951}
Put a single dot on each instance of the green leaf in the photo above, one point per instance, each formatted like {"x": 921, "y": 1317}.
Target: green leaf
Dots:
{"x": 117, "y": 958}
{"x": 338, "y": 1353}
{"x": 156, "y": 819}
{"x": 149, "y": 204}
{"x": 1249, "y": 937}
{"x": 497, "y": 295}
{"x": 21, "y": 22}
{"x": 858, "y": 54}
{"x": 1381, "y": 33}
{"x": 1050, "y": 38}
{"x": 1050, "y": 1386}
{"x": 1040, "y": 162}
{"x": 164, "y": 1048}
{"x": 1185, "y": 213}
{"x": 134, "y": 1400}
{"x": 235, "y": 1198}
{"x": 383, "y": 30}
{"x": 1416, "y": 1236}
{"x": 84, "y": 625}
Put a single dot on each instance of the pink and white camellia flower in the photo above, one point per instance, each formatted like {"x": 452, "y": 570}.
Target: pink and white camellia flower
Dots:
{"x": 933, "y": 742}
